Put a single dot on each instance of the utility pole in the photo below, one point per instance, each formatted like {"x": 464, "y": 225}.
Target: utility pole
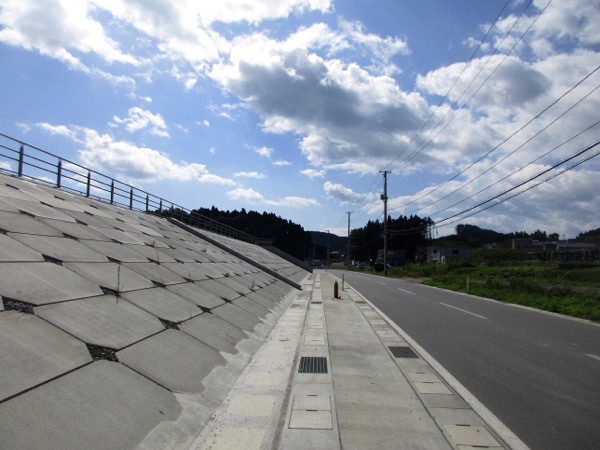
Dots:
{"x": 348, "y": 243}
{"x": 384, "y": 197}
{"x": 327, "y": 264}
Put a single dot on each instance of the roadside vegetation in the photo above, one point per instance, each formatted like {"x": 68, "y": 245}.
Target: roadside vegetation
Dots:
{"x": 569, "y": 290}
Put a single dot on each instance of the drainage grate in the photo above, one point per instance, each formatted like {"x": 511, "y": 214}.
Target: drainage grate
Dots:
{"x": 360, "y": 302}
{"x": 313, "y": 364}
{"x": 316, "y": 303}
{"x": 403, "y": 352}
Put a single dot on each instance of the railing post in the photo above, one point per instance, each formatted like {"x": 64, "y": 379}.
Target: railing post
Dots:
{"x": 112, "y": 192}
{"x": 131, "y": 199}
{"x": 89, "y": 184}
{"x": 147, "y": 202}
{"x": 21, "y": 158}
{"x": 59, "y": 173}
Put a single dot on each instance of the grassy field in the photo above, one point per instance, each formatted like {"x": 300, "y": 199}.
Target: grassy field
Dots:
{"x": 575, "y": 292}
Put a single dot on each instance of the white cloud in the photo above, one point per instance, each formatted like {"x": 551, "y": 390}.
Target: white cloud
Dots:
{"x": 251, "y": 196}
{"x": 129, "y": 162}
{"x": 265, "y": 152}
{"x": 256, "y": 175}
{"x": 281, "y": 163}
{"x": 344, "y": 194}
{"x": 313, "y": 173}
{"x": 140, "y": 119}
{"x": 61, "y": 29}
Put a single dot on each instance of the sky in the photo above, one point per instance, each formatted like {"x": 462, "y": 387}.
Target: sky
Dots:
{"x": 483, "y": 112}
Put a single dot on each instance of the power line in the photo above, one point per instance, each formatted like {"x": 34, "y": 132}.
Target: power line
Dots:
{"x": 581, "y": 152}
{"x": 512, "y": 135}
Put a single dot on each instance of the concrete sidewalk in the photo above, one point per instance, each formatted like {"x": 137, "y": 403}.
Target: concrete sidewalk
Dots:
{"x": 336, "y": 373}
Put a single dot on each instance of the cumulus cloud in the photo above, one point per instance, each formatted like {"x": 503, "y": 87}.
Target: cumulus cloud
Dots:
{"x": 140, "y": 119}
{"x": 256, "y": 175}
{"x": 129, "y": 162}
{"x": 344, "y": 194}
{"x": 313, "y": 173}
{"x": 253, "y": 197}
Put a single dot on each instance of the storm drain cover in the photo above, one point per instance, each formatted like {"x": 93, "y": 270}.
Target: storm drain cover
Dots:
{"x": 316, "y": 303}
{"x": 313, "y": 364}
{"x": 403, "y": 352}
{"x": 360, "y": 302}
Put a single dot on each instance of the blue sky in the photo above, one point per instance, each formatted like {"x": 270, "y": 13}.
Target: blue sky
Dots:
{"x": 295, "y": 106}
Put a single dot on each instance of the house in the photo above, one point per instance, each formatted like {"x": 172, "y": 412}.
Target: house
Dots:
{"x": 443, "y": 254}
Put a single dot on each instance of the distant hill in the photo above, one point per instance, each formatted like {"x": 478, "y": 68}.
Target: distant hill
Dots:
{"x": 336, "y": 243}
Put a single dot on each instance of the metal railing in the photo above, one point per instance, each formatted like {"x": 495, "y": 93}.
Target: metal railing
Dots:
{"x": 23, "y": 160}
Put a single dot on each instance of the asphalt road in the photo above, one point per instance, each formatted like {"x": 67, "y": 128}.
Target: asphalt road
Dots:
{"x": 539, "y": 373}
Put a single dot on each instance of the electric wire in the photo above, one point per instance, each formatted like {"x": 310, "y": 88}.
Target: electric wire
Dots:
{"x": 581, "y": 152}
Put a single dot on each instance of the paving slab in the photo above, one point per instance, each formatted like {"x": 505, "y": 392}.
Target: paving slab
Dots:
{"x": 173, "y": 359}
{"x": 163, "y": 304}
{"x": 156, "y": 272}
{"x": 107, "y": 321}
{"x": 372, "y": 396}
{"x": 23, "y": 223}
{"x": 183, "y": 255}
{"x": 41, "y": 283}
{"x": 13, "y": 250}
{"x": 33, "y": 351}
{"x": 62, "y": 249}
{"x": 88, "y": 217}
{"x": 214, "y": 332}
{"x": 197, "y": 295}
{"x": 115, "y": 251}
{"x": 103, "y": 405}
{"x": 113, "y": 276}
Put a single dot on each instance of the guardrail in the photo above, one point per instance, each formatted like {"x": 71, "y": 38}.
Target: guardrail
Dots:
{"x": 20, "y": 159}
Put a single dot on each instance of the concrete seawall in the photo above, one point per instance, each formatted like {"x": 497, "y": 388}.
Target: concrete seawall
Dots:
{"x": 120, "y": 329}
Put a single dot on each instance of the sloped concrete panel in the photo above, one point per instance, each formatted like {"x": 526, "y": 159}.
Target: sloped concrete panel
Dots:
{"x": 13, "y": 250}
{"x": 36, "y": 209}
{"x": 219, "y": 289}
{"x": 163, "y": 304}
{"x": 118, "y": 235}
{"x": 173, "y": 359}
{"x": 214, "y": 331}
{"x": 156, "y": 272}
{"x": 106, "y": 321}
{"x": 76, "y": 230}
{"x": 33, "y": 351}
{"x": 22, "y": 223}
{"x": 113, "y": 276}
{"x": 115, "y": 251}
{"x": 189, "y": 271}
{"x": 153, "y": 253}
{"x": 104, "y": 406}
{"x": 63, "y": 249}
{"x": 197, "y": 295}
{"x": 252, "y": 307}
{"x": 42, "y": 283}
{"x": 237, "y": 316}
{"x": 233, "y": 283}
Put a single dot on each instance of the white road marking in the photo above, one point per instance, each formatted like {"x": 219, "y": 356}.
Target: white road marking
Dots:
{"x": 381, "y": 282}
{"x": 463, "y": 310}
{"x": 408, "y": 292}
{"x": 593, "y": 356}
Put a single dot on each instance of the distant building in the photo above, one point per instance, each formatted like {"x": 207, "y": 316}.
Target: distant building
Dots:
{"x": 441, "y": 255}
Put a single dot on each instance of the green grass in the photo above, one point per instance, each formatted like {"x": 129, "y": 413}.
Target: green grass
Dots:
{"x": 574, "y": 292}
